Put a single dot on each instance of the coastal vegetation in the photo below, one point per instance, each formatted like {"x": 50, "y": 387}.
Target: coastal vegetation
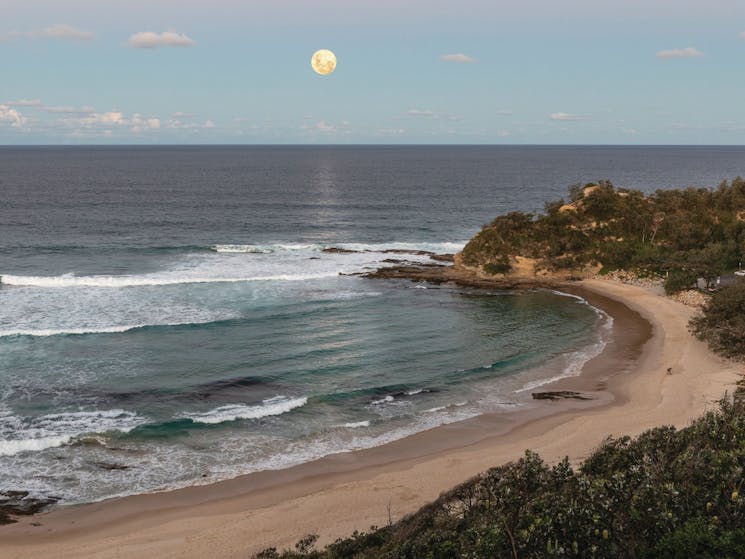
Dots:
{"x": 722, "y": 322}
{"x": 665, "y": 494}
{"x": 680, "y": 235}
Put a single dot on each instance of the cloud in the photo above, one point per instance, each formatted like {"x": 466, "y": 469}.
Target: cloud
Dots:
{"x": 688, "y": 52}
{"x": 65, "y": 32}
{"x": 179, "y": 124}
{"x": 325, "y": 127}
{"x": 150, "y": 40}
{"x": 38, "y": 105}
{"x": 421, "y": 112}
{"x": 504, "y": 113}
{"x": 105, "y": 123}
{"x": 11, "y": 116}
{"x": 742, "y": 35}
{"x": 142, "y": 124}
{"x": 566, "y": 117}
{"x": 59, "y": 31}
{"x": 630, "y": 131}
{"x": 69, "y": 110}
{"x": 459, "y": 58}
{"x": 24, "y": 103}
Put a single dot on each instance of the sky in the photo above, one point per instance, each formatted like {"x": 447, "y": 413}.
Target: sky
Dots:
{"x": 408, "y": 72}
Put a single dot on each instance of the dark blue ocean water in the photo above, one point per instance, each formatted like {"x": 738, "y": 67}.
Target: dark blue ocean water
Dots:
{"x": 172, "y": 311}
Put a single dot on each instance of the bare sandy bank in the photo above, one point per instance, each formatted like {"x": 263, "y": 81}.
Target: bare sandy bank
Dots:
{"x": 337, "y": 495}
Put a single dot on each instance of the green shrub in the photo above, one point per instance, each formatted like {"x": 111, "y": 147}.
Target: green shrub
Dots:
{"x": 722, "y": 322}
{"x": 501, "y": 266}
{"x": 678, "y": 280}
{"x": 668, "y": 493}
{"x": 690, "y": 233}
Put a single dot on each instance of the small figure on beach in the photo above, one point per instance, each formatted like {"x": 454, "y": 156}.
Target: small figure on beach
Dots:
{"x": 669, "y": 370}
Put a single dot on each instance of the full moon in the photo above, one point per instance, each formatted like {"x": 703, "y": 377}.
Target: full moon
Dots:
{"x": 323, "y": 62}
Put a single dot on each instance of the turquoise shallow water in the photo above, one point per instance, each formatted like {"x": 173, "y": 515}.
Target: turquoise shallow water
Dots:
{"x": 169, "y": 317}
{"x": 197, "y": 381}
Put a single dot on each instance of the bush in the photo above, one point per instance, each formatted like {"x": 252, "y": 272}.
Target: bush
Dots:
{"x": 722, "y": 322}
{"x": 668, "y": 493}
{"x": 501, "y": 266}
{"x": 690, "y": 233}
{"x": 678, "y": 280}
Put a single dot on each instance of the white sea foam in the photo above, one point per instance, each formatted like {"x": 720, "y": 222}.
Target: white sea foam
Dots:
{"x": 53, "y": 430}
{"x": 575, "y": 361}
{"x": 356, "y": 424}
{"x": 415, "y": 391}
{"x": 435, "y": 409}
{"x": 251, "y": 249}
{"x": 69, "y": 280}
{"x": 46, "y": 332}
{"x": 11, "y": 448}
{"x": 273, "y": 406}
{"x": 446, "y": 247}
{"x": 264, "y": 249}
{"x": 385, "y": 400}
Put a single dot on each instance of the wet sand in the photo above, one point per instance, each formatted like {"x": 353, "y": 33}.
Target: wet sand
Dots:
{"x": 630, "y": 391}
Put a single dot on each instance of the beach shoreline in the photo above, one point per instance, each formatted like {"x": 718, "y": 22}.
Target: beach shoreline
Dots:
{"x": 631, "y": 391}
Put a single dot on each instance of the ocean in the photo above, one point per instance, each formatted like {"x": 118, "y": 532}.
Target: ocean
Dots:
{"x": 171, "y": 316}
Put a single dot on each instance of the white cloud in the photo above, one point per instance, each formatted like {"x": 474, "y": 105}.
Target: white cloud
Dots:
{"x": 567, "y": 117}
{"x": 140, "y": 123}
{"x": 178, "y": 124}
{"x": 504, "y": 113}
{"x": 65, "y": 32}
{"x": 421, "y": 112}
{"x": 460, "y": 58}
{"x": 688, "y": 52}
{"x": 184, "y": 115}
{"x": 105, "y": 123}
{"x": 325, "y": 127}
{"x": 37, "y": 104}
{"x": 150, "y": 40}
{"x": 11, "y": 116}
{"x": 391, "y": 131}
{"x": 59, "y": 31}
{"x": 112, "y": 117}
{"x": 24, "y": 103}
{"x": 630, "y": 131}
{"x": 69, "y": 110}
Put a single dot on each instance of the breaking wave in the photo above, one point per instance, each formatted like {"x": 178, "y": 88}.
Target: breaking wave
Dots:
{"x": 273, "y": 406}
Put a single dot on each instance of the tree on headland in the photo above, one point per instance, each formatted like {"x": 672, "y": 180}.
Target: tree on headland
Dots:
{"x": 682, "y": 234}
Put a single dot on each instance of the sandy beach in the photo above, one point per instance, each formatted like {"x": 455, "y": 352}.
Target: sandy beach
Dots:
{"x": 631, "y": 391}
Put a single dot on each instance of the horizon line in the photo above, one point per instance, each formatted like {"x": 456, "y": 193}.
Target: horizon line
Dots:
{"x": 403, "y": 145}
